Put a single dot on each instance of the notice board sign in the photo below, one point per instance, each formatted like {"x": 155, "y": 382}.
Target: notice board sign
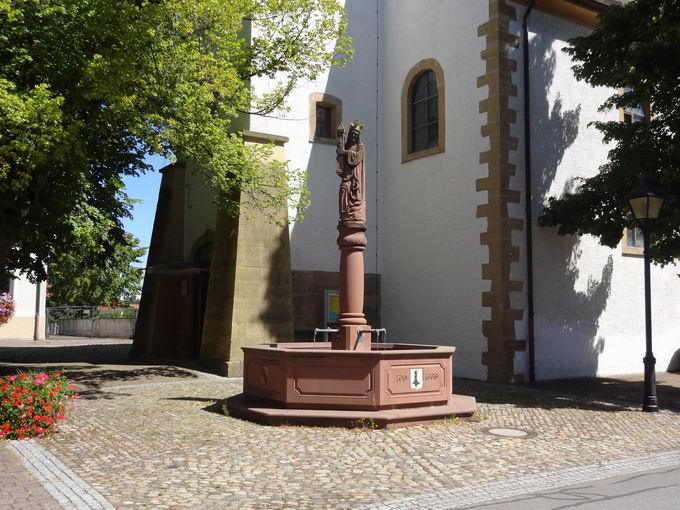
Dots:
{"x": 332, "y": 306}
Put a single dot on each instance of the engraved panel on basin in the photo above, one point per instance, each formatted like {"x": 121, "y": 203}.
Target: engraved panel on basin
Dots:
{"x": 434, "y": 376}
{"x": 264, "y": 376}
{"x": 333, "y": 381}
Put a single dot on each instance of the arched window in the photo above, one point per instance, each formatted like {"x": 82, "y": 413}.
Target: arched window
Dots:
{"x": 423, "y": 111}
{"x": 203, "y": 254}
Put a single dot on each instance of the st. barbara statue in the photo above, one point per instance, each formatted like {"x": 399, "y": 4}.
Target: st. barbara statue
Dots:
{"x": 350, "y": 157}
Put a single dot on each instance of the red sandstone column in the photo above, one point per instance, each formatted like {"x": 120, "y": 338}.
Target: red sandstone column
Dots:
{"x": 352, "y": 240}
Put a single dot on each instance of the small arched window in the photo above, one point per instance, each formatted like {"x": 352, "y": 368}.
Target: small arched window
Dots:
{"x": 203, "y": 254}
{"x": 424, "y": 104}
{"x": 423, "y": 111}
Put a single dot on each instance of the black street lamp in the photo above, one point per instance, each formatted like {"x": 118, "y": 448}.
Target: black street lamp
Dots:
{"x": 646, "y": 203}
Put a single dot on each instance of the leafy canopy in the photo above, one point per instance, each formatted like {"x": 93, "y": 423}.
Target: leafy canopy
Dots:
{"x": 92, "y": 277}
{"x": 89, "y": 87}
{"x": 636, "y": 47}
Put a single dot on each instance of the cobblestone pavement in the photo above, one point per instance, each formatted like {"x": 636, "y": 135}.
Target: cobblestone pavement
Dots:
{"x": 167, "y": 445}
{"x": 18, "y": 487}
{"x": 155, "y": 436}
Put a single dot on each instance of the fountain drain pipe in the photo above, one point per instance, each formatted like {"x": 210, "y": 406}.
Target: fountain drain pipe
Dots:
{"x": 528, "y": 193}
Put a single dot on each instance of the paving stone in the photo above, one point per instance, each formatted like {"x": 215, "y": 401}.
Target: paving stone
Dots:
{"x": 153, "y": 437}
{"x": 18, "y": 487}
{"x": 167, "y": 445}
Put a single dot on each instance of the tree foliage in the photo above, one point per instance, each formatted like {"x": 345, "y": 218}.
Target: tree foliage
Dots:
{"x": 636, "y": 46}
{"x": 94, "y": 275}
{"x": 89, "y": 87}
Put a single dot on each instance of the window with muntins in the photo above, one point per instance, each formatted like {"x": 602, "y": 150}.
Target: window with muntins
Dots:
{"x": 325, "y": 113}
{"x": 323, "y": 121}
{"x": 633, "y": 243}
{"x": 424, "y": 109}
{"x": 632, "y": 115}
{"x": 634, "y": 238}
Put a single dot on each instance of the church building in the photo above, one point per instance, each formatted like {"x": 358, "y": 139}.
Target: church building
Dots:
{"x": 455, "y": 255}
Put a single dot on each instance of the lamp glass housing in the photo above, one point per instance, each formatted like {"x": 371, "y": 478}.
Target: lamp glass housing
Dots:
{"x": 646, "y": 205}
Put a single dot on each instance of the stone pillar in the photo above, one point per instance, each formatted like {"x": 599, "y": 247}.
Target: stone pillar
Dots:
{"x": 167, "y": 242}
{"x": 352, "y": 243}
{"x": 249, "y": 298}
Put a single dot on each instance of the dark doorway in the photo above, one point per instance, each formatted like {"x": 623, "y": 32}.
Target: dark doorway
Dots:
{"x": 201, "y": 259}
{"x": 200, "y": 295}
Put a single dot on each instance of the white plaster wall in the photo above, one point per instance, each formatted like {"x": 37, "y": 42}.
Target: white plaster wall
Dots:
{"x": 588, "y": 298}
{"x": 24, "y": 296}
{"x": 22, "y": 324}
{"x": 313, "y": 240}
{"x": 432, "y": 257}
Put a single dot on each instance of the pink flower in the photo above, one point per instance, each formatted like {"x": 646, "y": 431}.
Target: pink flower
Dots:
{"x": 41, "y": 379}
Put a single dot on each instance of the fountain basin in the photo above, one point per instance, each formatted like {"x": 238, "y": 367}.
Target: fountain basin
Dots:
{"x": 298, "y": 375}
{"x": 314, "y": 384}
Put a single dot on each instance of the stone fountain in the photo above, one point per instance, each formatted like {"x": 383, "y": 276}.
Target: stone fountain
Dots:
{"x": 351, "y": 380}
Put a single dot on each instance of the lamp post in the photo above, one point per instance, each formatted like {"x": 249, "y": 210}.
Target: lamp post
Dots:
{"x": 645, "y": 204}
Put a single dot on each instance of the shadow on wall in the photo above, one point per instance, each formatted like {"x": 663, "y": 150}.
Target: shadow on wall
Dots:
{"x": 317, "y": 233}
{"x": 278, "y": 313}
{"x": 674, "y": 364}
{"x": 567, "y": 310}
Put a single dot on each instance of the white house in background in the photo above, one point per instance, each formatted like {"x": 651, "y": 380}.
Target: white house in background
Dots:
{"x": 28, "y": 298}
{"x": 439, "y": 86}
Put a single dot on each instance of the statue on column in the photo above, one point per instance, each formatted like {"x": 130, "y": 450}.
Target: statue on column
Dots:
{"x": 350, "y": 153}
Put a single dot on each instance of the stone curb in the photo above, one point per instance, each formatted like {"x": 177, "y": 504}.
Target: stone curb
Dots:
{"x": 62, "y": 483}
{"x": 464, "y": 497}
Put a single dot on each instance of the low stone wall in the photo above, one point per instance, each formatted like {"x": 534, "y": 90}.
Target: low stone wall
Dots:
{"x": 98, "y": 328}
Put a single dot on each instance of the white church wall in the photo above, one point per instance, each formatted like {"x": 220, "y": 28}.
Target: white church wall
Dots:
{"x": 589, "y": 308}
{"x": 313, "y": 240}
{"x": 432, "y": 257}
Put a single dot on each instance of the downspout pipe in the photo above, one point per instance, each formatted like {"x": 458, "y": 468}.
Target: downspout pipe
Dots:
{"x": 528, "y": 193}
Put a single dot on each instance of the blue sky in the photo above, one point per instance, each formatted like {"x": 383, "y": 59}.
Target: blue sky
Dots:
{"x": 145, "y": 188}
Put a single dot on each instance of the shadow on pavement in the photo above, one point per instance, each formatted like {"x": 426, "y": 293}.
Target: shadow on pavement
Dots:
{"x": 595, "y": 394}
{"x": 624, "y": 389}
{"x": 108, "y": 353}
{"x": 93, "y": 367}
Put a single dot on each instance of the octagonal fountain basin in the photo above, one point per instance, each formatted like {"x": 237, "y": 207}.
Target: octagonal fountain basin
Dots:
{"x": 314, "y": 384}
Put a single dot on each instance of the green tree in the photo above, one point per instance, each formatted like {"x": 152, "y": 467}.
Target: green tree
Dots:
{"x": 88, "y": 87}
{"x": 636, "y": 47}
{"x": 91, "y": 276}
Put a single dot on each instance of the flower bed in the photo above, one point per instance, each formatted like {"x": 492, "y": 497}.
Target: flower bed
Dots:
{"x": 6, "y": 307}
{"x": 31, "y": 404}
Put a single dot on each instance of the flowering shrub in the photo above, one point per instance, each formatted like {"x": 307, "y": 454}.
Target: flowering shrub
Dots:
{"x": 32, "y": 404}
{"x": 6, "y": 307}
